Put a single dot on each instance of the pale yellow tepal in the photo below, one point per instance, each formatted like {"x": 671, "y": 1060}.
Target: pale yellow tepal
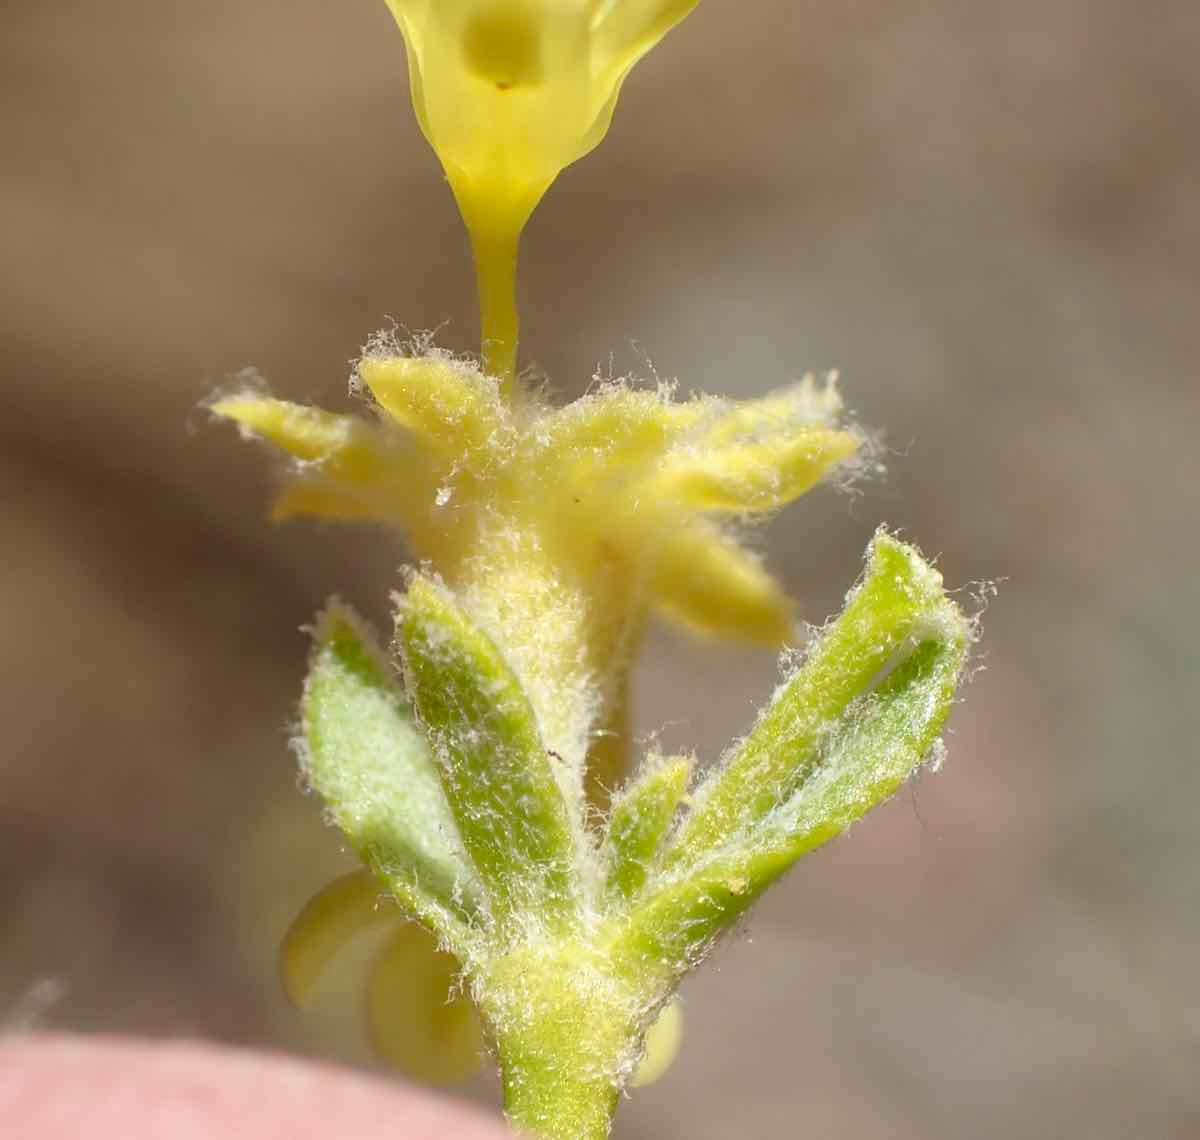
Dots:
{"x": 508, "y": 93}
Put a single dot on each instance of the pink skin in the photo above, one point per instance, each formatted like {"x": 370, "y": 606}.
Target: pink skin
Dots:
{"x": 98, "y": 1088}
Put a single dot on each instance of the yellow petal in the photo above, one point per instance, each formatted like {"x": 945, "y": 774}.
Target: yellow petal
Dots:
{"x": 663, "y": 1040}
{"x": 344, "y": 446}
{"x": 754, "y": 476}
{"x": 452, "y": 405}
{"x": 704, "y": 580}
{"x": 803, "y": 404}
{"x": 508, "y": 93}
{"x": 514, "y": 90}
{"x": 355, "y": 470}
{"x": 615, "y": 430}
{"x": 626, "y": 29}
{"x": 319, "y": 500}
{"x": 418, "y": 1020}
{"x": 505, "y": 90}
{"x": 622, "y": 32}
{"x": 347, "y": 907}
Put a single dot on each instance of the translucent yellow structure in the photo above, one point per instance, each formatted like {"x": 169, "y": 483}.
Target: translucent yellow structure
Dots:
{"x": 508, "y": 93}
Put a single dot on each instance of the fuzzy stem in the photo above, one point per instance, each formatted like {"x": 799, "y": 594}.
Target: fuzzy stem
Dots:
{"x": 567, "y": 1027}
{"x": 540, "y": 1102}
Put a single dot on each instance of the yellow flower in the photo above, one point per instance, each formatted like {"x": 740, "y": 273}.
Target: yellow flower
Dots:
{"x": 508, "y": 93}
{"x": 559, "y": 529}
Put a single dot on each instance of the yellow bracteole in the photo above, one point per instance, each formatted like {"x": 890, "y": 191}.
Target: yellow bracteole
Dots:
{"x": 561, "y": 528}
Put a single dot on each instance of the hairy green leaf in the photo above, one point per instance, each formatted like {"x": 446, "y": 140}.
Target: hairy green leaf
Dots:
{"x": 496, "y": 772}
{"x": 365, "y": 755}
{"x": 882, "y": 614}
{"x": 641, "y": 816}
{"x": 851, "y": 763}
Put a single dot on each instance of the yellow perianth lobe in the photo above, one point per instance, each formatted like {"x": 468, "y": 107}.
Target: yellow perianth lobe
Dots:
{"x": 508, "y": 93}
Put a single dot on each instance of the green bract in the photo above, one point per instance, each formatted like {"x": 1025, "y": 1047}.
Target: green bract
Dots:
{"x": 372, "y": 765}
{"x": 495, "y": 770}
{"x": 572, "y": 933}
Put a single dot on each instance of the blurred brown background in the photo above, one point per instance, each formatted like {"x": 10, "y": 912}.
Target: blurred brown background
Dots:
{"x": 987, "y": 216}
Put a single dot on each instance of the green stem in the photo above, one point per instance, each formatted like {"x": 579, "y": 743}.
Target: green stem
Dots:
{"x": 566, "y": 1028}
{"x": 542, "y": 1102}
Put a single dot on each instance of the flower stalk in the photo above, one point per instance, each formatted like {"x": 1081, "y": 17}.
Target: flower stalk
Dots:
{"x": 495, "y": 245}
